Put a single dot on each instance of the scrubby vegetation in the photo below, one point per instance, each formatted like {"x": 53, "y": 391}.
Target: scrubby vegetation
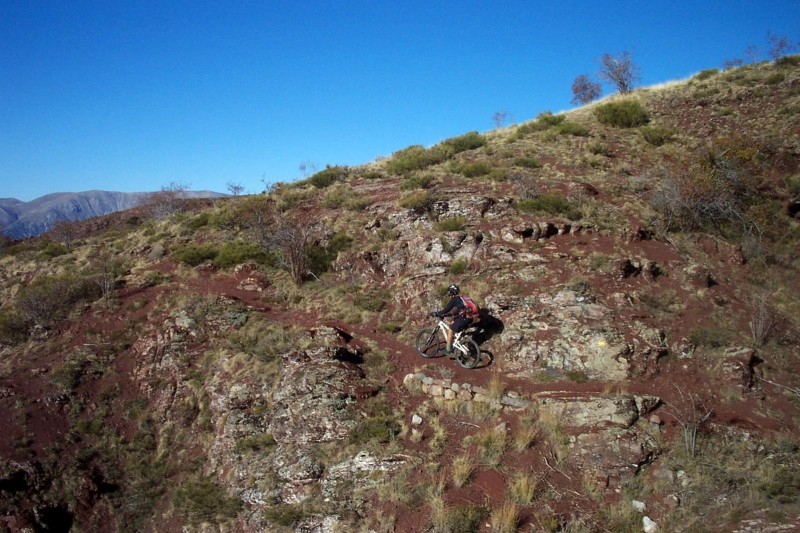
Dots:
{"x": 162, "y": 370}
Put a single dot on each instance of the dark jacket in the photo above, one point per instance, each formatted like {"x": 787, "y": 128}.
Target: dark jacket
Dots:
{"x": 455, "y": 306}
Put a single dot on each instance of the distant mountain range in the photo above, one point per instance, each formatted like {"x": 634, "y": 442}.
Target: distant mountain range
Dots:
{"x": 19, "y": 219}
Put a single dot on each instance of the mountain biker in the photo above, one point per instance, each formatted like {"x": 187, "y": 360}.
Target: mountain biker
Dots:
{"x": 464, "y": 311}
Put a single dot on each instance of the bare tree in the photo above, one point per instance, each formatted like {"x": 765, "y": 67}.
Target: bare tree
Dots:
{"x": 235, "y": 188}
{"x": 107, "y": 270}
{"x": 732, "y": 63}
{"x": 167, "y": 201}
{"x": 690, "y": 412}
{"x": 66, "y": 232}
{"x": 287, "y": 237}
{"x": 761, "y": 321}
{"x": 499, "y": 118}
{"x": 584, "y": 90}
{"x": 619, "y": 71}
{"x": 307, "y": 168}
{"x": 752, "y": 53}
{"x": 779, "y": 46}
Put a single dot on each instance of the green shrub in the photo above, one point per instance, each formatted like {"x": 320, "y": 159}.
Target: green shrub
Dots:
{"x": 13, "y": 327}
{"x": 657, "y": 135}
{"x": 49, "y": 298}
{"x": 379, "y": 429}
{"x": 68, "y": 374}
{"x": 465, "y": 518}
{"x": 599, "y": 148}
{"x": 471, "y": 170}
{"x": 548, "y": 119}
{"x": 256, "y": 443}
{"x": 417, "y": 157}
{"x": 782, "y": 485}
{"x": 793, "y": 184}
{"x": 788, "y": 61}
{"x": 195, "y": 254}
{"x": 622, "y": 114}
{"x": 198, "y": 221}
{"x": 53, "y": 249}
{"x": 390, "y": 327}
{"x": 329, "y": 176}
{"x": 459, "y": 266}
{"x": 202, "y": 500}
{"x": 413, "y": 158}
{"x": 266, "y": 341}
{"x": 775, "y": 78}
{"x": 711, "y": 337}
{"x": 705, "y": 74}
{"x": 373, "y": 300}
{"x": 237, "y": 252}
{"x": 415, "y": 182}
{"x": 576, "y": 376}
{"x": 419, "y": 201}
{"x": 552, "y": 203}
{"x": 543, "y": 122}
{"x": 451, "y": 224}
{"x": 372, "y": 175}
{"x": 572, "y": 128}
{"x": 527, "y": 162}
{"x": 320, "y": 258}
{"x": 468, "y": 141}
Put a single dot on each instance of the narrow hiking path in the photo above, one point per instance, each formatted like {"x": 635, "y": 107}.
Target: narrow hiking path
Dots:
{"x": 405, "y": 360}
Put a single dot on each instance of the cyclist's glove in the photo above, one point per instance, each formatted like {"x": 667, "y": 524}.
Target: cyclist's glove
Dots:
{"x": 435, "y": 314}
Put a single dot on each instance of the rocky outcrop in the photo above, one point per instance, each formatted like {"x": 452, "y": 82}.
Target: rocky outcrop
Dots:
{"x": 571, "y": 332}
{"x": 609, "y": 437}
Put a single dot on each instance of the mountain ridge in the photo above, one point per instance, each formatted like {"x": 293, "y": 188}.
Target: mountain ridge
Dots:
{"x": 19, "y": 219}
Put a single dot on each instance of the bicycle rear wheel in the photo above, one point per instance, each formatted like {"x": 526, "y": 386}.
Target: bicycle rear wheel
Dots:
{"x": 429, "y": 343}
{"x": 472, "y": 357}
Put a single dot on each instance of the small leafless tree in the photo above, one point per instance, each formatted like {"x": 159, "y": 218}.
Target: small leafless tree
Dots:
{"x": 235, "y": 188}
{"x": 752, "y": 53}
{"x": 619, "y": 71}
{"x": 761, "y": 320}
{"x": 167, "y": 201}
{"x": 66, "y": 232}
{"x": 780, "y": 46}
{"x": 286, "y": 237}
{"x": 107, "y": 270}
{"x": 307, "y": 168}
{"x": 499, "y": 118}
{"x": 584, "y": 90}
{"x": 690, "y": 412}
{"x": 732, "y": 63}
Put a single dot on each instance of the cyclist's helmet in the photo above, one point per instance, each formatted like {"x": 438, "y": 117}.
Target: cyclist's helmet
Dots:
{"x": 453, "y": 289}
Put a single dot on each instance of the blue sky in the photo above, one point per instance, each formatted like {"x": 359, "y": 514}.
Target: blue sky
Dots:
{"x": 134, "y": 95}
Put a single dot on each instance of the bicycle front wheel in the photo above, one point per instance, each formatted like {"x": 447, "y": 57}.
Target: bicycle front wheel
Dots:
{"x": 471, "y": 357}
{"x": 429, "y": 343}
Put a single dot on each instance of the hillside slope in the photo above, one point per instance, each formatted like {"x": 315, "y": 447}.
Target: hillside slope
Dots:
{"x": 250, "y": 365}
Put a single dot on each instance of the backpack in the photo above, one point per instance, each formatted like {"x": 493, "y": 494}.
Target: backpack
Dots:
{"x": 470, "y": 307}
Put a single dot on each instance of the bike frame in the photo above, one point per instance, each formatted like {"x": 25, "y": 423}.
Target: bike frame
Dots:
{"x": 456, "y": 338}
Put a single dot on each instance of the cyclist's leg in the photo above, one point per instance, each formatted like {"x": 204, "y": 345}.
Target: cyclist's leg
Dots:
{"x": 460, "y": 323}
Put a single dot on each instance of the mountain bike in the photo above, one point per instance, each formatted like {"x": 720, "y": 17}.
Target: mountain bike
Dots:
{"x": 432, "y": 342}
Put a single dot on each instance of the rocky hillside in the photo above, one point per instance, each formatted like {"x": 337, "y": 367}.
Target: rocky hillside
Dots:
{"x": 249, "y": 365}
